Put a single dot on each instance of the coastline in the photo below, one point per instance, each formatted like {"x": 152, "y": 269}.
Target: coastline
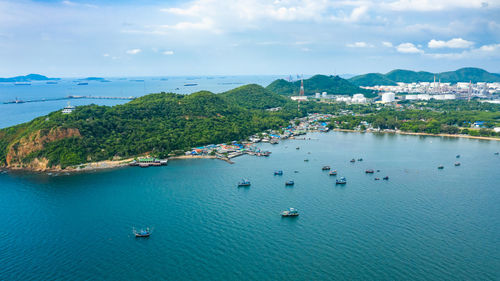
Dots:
{"x": 106, "y": 164}
{"x": 420, "y": 134}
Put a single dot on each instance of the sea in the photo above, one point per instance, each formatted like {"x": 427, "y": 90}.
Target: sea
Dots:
{"x": 424, "y": 223}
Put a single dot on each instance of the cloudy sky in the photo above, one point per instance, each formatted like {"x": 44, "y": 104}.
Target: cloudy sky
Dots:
{"x": 226, "y": 37}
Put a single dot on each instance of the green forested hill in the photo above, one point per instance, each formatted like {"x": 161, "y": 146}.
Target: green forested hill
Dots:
{"x": 255, "y": 97}
{"x": 333, "y": 85}
{"x": 407, "y": 76}
{"x": 156, "y": 123}
{"x": 371, "y": 79}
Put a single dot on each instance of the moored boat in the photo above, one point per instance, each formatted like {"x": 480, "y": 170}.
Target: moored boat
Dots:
{"x": 458, "y": 156}
{"x": 342, "y": 180}
{"x": 369, "y": 171}
{"x": 441, "y": 167}
{"x": 377, "y": 179}
{"x": 325, "y": 168}
{"x": 386, "y": 178}
{"x": 244, "y": 182}
{"x": 142, "y": 233}
{"x": 333, "y": 173}
{"x": 457, "y": 164}
{"x": 291, "y": 212}
{"x": 353, "y": 160}
{"x": 360, "y": 159}
{"x": 278, "y": 173}
{"x": 290, "y": 182}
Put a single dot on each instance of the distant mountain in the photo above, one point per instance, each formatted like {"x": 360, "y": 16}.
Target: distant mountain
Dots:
{"x": 371, "y": 79}
{"x": 27, "y": 78}
{"x": 333, "y": 85}
{"x": 407, "y": 76}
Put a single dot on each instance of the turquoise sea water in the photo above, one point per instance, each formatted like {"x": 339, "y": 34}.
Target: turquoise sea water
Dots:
{"x": 422, "y": 224}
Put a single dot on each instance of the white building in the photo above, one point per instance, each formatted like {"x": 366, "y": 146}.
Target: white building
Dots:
{"x": 388, "y": 97}
{"x": 411, "y": 97}
{"x": 423, "y": 96}
{"x": 358, "y": 98}
{"x": 299, "y": 98}
{"x": 317, "y": 95}
{"x": 68, "y": 109}
{"x": 323, "y": 94}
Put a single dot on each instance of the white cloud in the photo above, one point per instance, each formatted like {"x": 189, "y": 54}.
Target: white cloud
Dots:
{"x": 359, "y": 45}
{"x": 485, "y": 51}
{"x": 408, "y": 48}
{"x": 455, "y": 43}
{"x": 490, "y": 48}
{"x": 168, "y": 52}
{"x": 133, "y": 51}
{"x": 436, "y": 5}
{"x": 387, "y": 44}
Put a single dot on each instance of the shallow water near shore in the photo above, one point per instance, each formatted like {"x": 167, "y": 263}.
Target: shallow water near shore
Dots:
{"x": 422, "y": 224}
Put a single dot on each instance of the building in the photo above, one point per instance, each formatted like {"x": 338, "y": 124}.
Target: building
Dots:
{"x": 68, "y": 109}
{"x": 358, "y": 98}
{"x": 388, "y": 97}
{"x": 299, "y": 98}
{"x": 317, "y": 95}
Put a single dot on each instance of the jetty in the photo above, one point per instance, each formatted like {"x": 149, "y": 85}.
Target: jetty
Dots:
{"x": 70, "y": 97}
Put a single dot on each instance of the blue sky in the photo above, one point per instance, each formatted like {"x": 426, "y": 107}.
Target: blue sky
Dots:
{"x": 211, "y": 37}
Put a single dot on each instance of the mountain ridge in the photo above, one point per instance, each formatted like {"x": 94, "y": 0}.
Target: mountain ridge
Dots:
{"x": 464, "y": 74}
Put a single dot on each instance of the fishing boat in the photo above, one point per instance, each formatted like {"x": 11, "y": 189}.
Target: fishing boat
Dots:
{"x": 457, "y": 164}
{"x": 325, "y": 168}
{"x": 369, "y": 171}
{"x": 142, "y": 233}
{"x": 441, "y": 167}
{"x": 289, "y": 183}
{"x": 342, "y": 180}
{"x": 333, "y": 173}
{"x": 386, "y": 178}
{"x": 278, "y": 173}
{"x": 244, "y": 182}
{"x": 353, "y": 160}
{"x": 291, "y": 212}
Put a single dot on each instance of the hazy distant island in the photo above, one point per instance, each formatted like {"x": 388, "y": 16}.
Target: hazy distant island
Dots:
{"x": 28, "y": 78}
{"x": 168, "y": 124}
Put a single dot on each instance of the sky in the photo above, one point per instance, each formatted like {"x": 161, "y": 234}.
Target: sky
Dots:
{"x": 79, "y": 38}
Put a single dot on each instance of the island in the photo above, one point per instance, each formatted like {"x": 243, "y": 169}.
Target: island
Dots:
{"x": 162, "y": 125}
{"x": 27, "y": 78}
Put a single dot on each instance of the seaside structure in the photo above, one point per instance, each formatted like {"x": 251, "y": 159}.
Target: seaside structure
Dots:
{"x": 68, "y": 109}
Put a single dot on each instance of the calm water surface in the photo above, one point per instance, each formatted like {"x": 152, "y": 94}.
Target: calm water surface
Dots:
{"x": 422, "y": 224}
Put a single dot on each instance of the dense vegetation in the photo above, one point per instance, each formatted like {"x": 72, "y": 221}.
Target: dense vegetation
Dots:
{"x": 407, "y": 76}
{"x": 333, "y": 85}
{"x": 430, "y": 117}
{"x": 158, "y": 124}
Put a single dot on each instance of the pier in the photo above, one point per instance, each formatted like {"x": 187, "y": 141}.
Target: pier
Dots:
{"x": 70, "y": 97}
